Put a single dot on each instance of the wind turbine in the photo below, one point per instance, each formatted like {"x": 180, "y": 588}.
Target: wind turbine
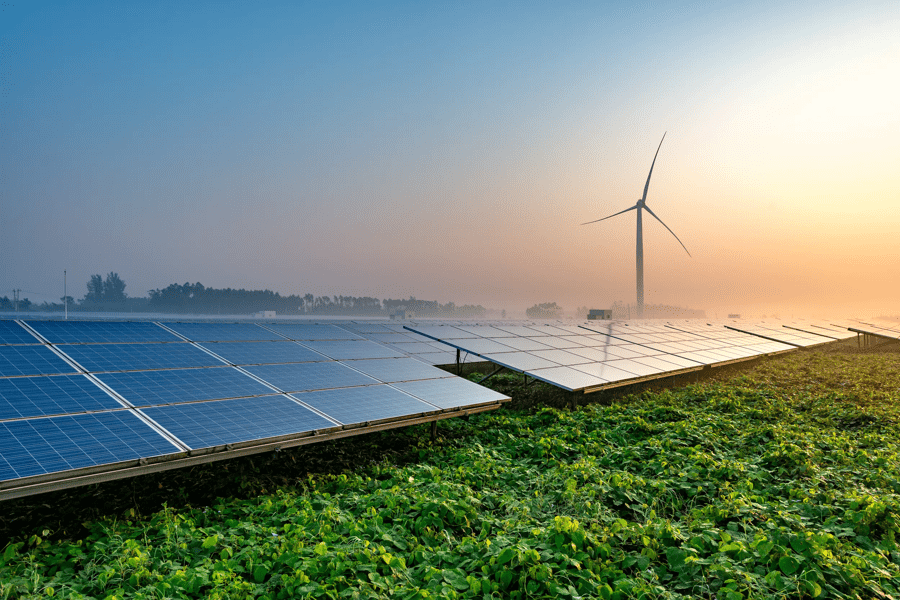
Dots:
{"x": 642, "y": 205}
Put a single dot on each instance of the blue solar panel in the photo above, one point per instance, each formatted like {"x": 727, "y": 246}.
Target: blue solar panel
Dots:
{"x": 139, "y": 357}
{"x": 390, "y": 370}
{"x": 223, "y": 332}
{"x": 143, "y": 388}
{"x": 362, "y": 404}
{"x": 309, "y": 331}
{"x": 38, "y": 446}
{"x": 102, "y": 332}
{"x": 454, "y": 392}
{"x": 207, "y": 424}
{"x": 301, "y": 377}
{"x": 259, "y": 353}
{"x": 31, "y": 360}
{"x": 13, "y": 333}
{"x": 22, "y": 397}
{"x": 352, "y": 349}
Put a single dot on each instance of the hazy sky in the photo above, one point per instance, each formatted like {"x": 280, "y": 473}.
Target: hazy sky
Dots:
{"x": 450, "y": 150}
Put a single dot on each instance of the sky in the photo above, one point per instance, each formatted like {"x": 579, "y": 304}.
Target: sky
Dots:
{"x": 451, "y": 150}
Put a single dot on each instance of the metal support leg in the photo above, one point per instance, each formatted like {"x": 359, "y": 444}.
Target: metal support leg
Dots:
{"x": 433, "y": 430}
{"x": 458, "y": 365}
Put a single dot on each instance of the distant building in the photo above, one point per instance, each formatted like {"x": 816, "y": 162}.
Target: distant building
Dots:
{"x": 265, "y": 314}
{"x": 599, "y": 314}
{"x": 402, "y": 315}
{"x": 734, "y": 316}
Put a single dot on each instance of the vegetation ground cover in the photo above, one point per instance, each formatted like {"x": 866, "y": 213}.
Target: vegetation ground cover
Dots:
{"x": 779, "y": 481}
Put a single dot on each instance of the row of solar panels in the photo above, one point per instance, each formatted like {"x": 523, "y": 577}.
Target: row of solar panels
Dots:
{"x": 597, "y": 355}
{"x": 884, "y": 330}
{"x": 79, "y": 398}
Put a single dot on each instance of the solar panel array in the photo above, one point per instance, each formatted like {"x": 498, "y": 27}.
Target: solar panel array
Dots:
{"x": 884, "y": 330}
{"x": 597, "y": 355}
{"x": 83, "y": 397}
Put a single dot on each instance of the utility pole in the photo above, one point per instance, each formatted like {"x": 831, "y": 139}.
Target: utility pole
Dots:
{"x": 65, "y": 295}
{"x": 16, "y": 299}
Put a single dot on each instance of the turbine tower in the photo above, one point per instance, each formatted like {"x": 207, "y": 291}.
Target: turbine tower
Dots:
{"x": 641, "y": 206}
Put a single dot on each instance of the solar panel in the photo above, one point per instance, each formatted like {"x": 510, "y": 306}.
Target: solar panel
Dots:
{"x": 196, "y": 396}
{"x": 31, "y": 360}
{"x": 223, "y": 332}
{"x": 101, "y": 332}
{"x": 143, "y": 388}
{"x": 365, "y": 404}
{"x": 567, "y": 378}
{"x": 47, "y": 445}
{"x": 138, "y": 357}
{"x": 22, "y": 397}
{"x": 258, "y": 353}
{"x": 220, "y": 422}
{"x": 390, "y": 370}
{"x": 351, "y": 349}
{"x": 13, "y": 333}
{"x": 453, "y": 392}
{"x": 313, "y": 331}
{"x": 301, "y": 377}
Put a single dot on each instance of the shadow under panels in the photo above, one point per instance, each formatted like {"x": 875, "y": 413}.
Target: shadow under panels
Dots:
{"x": 131, "y": 409}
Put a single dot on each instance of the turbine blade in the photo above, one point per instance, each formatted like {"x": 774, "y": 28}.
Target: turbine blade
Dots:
{"x": 611, "y": 216}
{"x": 647, "y": 185}
{"x": 667, "y": 227}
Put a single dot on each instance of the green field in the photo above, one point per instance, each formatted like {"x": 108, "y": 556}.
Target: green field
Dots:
{"x": 777, "y": 480}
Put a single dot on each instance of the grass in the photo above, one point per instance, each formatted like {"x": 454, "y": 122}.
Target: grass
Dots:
{"x": 778, "y": 481}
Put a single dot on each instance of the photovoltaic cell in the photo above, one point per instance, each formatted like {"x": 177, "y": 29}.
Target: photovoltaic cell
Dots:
{"x": 223, "y": 332}
{"x": 258, "y": 353}
{"x": 313, "y": 332}
{"x": 102, "y": 332}
{"x": 453, "y": 392}
{"x": 22, "y": 397}
{"x": 31, "y": 360}
{"x": 38, "y": 446}
{"x": 568, "y": 378}
{"x": 143, "y": 388}
{"x": 300, "y": 377}
{"x": 390, "y": 370}
{"x": 351, "y": 349}
{"x": 208, "y": 424}
{"x": 359, "y": 405}
{"x": 138, "y": 357}
{"x": 13, "y": 333}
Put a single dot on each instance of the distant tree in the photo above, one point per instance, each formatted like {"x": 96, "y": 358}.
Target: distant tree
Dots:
{"x": 94, "y": 289}
{"x": 6, "y": 303}
{"x": 546, "y": 310}
{"x": 113, "y": 288}
{"x": 70, "y": 299}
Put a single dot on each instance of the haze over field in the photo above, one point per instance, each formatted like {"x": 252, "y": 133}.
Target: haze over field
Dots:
{"x": 450, "y": 151}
